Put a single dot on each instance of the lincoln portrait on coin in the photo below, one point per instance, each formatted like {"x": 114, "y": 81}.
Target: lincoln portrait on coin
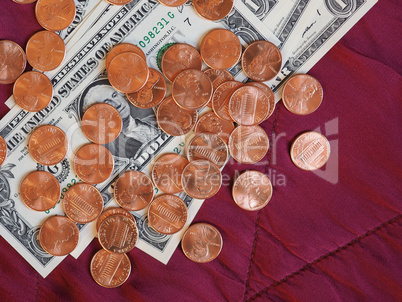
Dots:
{"x": 298, "y": 100}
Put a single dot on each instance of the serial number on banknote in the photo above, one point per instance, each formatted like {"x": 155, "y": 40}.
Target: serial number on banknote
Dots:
{"x": 156, "y": 30}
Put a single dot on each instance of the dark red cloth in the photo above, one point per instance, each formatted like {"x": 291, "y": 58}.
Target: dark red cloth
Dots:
{"x": 319, "y": 238}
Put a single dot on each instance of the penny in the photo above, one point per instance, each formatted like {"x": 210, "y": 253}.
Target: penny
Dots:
{"x": 109, "y": 269}
{"x": 213, "y": 10}
{"x": 201, "y": 179}
{"x": 24, "y": 1}
{"x": 40, "y": 191}
{"x": 220, "y": 49}
{"x": 93, "y": 163}
{"x": 58, "y": 236}
{"x": 173, "y": 3}
{"x": 33, "y": 91}
{"x": 101, "y": 123}
{"x": 167, "y": 214}
{"x": 121, "y": 48}
{"x": 133, "y": 190}
{"x": 167, "y": 171}
{"x": 83, "y": 203}
{"x": 45, "y": 50}
{"x": 110, "y": 212}
{"x": 118, "y": 234}
{"x": 252, "y": 190}
{"x": 268, "y": 92}
{"x": 248, "y": 106}
{"x": 180, "y": 57}
{"x": 218, "y": 77}
{"x": 48, "y": 145}
{"x": 261, "y": 61}
{"x": 55, "y": 15}
{"x": 12, "y": 61}
{"x": 192, "y": 89}
{"x": 128, "y": 72}
{"x": 248, "y": 144}
{"x": 208, "y": 146}
{"x": 3, "y": 150}
{"x": 211, "y": 123}
{"x": 119, "y": 2}
{"x": 201, "y": 243}
{"x": 302, "y": 94}
{"x": 152, "y": 93}
{"x": 174, "y": 120}
{"x": 310, "y": 151}
{"x": 221, "y": 97}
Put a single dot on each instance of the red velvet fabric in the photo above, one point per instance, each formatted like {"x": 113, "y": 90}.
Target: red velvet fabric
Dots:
{"x": 329, "y": 237}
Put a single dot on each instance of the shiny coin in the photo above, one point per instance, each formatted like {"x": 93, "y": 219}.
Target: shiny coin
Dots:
{"x": 221, "y": 98}
{"x": 3, "y": 150}
{"x": 192, "y": 89}
{"x": 48, "y": 145}
{"x": 310, "y": 151}
{"x": 248, "y": 144}
{"x": 45, "y": 50}
{"x": 113, "y": 211}
{"x": 268, "y": 92}
{"x": 40, "y": 191}
{"x": 262, "y": 61}
{"x": 248, "y": 106}
{"x": 201, "y": 243}
{"x": 33, "y": 91}
{"x": 118, "y": 234}
{"x": 208, "y": 146}
{"x": 167, "y": 171}
{"x": 172, "y": 3}
{"x": 83, "y": 203}
{"x": 93, "y": 163}
{"x": 133, "y": 190}
{"x": 201, "y": 179}
{"x": 180, "y": 57}
{"x": 55, "y": 15}
{"x": 218, "y": 77}
{"x": 302, "y": 94}
{"x": 220, "y": 49}
{"x": 252, "y": 190}
{"x": 101, "y": 123}
{"x": 152, "y": 93}
{"x": 213, "y": 10}
{"x": 109, "y": 269}
{"x": 12, "y": 61}
{"x": 211, "y": 123}
{"x": 174, "y": 120}
{"x": 167, "y": 214}
{"x": 128, "y": 72}
{"x": 119, "y": 2}
{"x": 58, "y": 236}
{"x": 121, "y": 48}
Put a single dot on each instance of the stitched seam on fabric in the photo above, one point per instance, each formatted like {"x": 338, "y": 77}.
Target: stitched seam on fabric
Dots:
{"x": 327, "y": 255}
{"x": 37, "y": 286}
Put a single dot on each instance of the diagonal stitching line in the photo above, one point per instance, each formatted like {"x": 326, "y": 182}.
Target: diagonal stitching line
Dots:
{"x": 332, "y": 253}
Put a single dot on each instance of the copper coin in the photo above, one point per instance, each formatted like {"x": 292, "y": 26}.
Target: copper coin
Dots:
{"x": 220, "y": 49}
{"x": 12, "y": 61}
{"x": 133, "y": 190}
{"x": 213, "y": 10}
{"x": 83, "y": 203}
{"x": 58, "y": 236}
{"x": 40, "y": 191}
{"x": 93, "y": 163}
{"x": 121, "y": 48}
{"x": 152, "y": 93}
{"x": 268, "y": 92}
{"x": 218, "y": 77}
{"x": 262, "y": 61}
{"x": 109, "y": 269}
{"x": 248, "y": 106}
{"x": 118, "y": 234}
{"x": 128, "y": 72}
{"x": 201, "y": 179}
{"x": 310, "y": 151}
{"x": 192, "y": 89}
{"x": 252, "y": 190}
{"x": 180, "y": 57}
{"x": 167, "y": 171}
{"x": 173, "y": 3}
{"x": 167, "y": 214}
{"x": 110, "y": 212}
{"x": 302, "y": 94}
{"x": 3, "y": 150}
{"x": 201, "y": 243}
{"x": 248, "y": 144}
{"x": 48, "y": 145}
{"x": 174, "y": 120}
{"x": 101, "y": 123}
{"x": 221, "y": 97}
{"x": 119, "y": 2}
{"x": 33, "y": 91}
{"x": 208, "y": 146}
{"x": 24, "y": 1}
{"x": 55, "y": 15}
{"x": 211, "y": 123}
{"x": 45, "y": 50}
